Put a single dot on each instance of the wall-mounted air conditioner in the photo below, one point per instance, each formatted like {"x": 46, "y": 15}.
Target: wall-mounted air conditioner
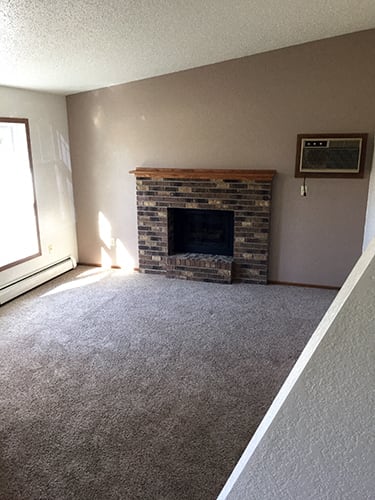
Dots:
{"x": 330, "y": 155}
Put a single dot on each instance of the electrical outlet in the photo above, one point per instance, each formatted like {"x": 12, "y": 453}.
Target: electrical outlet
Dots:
{"x": 303, "y": 190}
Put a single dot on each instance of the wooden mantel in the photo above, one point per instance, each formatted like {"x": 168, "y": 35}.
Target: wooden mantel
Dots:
{"x": 204, "y": 173}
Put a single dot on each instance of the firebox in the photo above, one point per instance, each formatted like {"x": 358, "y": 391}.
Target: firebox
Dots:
{"x": 200, "y": 231}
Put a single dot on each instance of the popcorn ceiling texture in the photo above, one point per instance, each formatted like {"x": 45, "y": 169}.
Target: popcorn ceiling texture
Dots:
{"x": 68, "y": 46}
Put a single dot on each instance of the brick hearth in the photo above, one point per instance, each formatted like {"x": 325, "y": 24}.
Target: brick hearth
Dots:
{"x": 246, "y": 192}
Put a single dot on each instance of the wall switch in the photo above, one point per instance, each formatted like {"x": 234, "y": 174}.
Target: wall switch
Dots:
{"x": 50, "y": 248}
{"x": 113, "y": 242}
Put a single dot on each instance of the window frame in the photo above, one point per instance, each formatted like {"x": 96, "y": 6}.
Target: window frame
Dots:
{"x": 25, "y": 121}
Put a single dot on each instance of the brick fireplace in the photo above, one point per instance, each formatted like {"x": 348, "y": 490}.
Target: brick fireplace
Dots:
{"x": 170, "y": 200}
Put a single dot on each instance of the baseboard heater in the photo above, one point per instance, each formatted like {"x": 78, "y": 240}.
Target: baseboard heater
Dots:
{"x": 29, "y": 281}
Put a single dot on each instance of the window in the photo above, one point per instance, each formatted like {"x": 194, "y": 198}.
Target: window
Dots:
{"x": 19, "y": 228}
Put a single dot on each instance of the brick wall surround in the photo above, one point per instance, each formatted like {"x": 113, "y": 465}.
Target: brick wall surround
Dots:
{"x": 200, "y": 267}
{"x": 249, "y": 197}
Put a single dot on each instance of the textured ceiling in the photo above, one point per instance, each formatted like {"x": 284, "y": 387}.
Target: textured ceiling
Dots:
{"x": 67, "y": 46}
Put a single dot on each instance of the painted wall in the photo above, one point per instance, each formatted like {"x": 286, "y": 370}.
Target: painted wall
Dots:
{"x": 370, "y": 213}
{"x": 52, "y": 174}
{"x": 244, "y": 113}
{"x": 316, "y": 440}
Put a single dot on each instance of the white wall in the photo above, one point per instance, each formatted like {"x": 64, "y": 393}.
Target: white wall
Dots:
{"x": 52, "y": 174}
{"x": 370, "y": 213}
{"x": 316, "y": 441}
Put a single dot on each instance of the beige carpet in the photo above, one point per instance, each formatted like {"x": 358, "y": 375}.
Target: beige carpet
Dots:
{"x": 140, "y": 387}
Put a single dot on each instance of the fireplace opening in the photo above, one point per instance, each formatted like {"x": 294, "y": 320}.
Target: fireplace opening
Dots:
{"x": 200, "y": 231}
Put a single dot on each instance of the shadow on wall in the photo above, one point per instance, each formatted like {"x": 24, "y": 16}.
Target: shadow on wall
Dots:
{"x": 53, "y": 150}
{"x": 113, "y": 251}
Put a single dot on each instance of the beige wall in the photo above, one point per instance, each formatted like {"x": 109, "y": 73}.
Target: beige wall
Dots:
{"x": 244, "y": 113}
{"x": 52, "y": 175}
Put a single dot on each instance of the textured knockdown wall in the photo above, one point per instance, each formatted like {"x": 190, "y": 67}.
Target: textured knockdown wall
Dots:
{"x": 52, "y": 175}
{"x": 317, "y": 441}
{"x": 244, "y": 113}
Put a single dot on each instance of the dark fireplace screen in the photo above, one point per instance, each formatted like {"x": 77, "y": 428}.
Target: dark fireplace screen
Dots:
{"x": 200, "y": 231}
